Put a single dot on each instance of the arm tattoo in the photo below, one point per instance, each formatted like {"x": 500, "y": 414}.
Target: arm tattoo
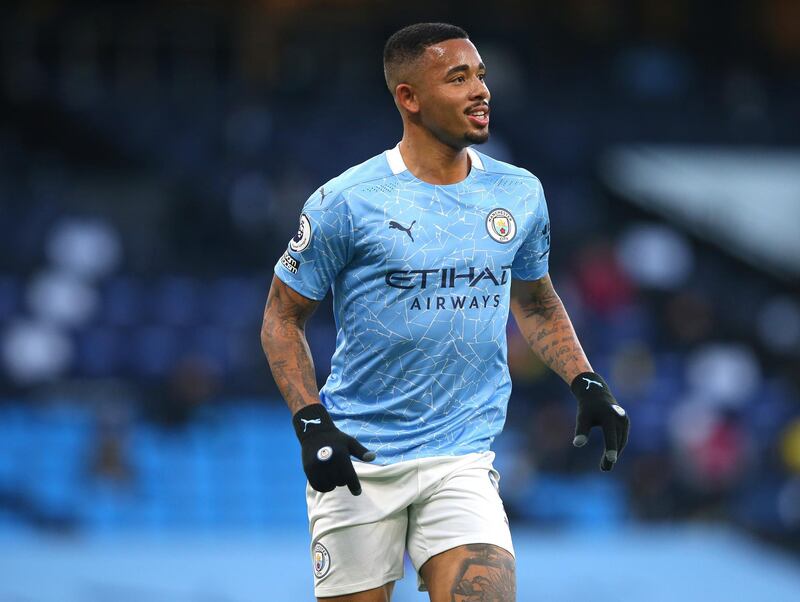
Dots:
{"x": 486, "y": 575}
{"x": 545, "y": 303}
{"x": 284, "y": 342}
{"x": 546, "y": 326}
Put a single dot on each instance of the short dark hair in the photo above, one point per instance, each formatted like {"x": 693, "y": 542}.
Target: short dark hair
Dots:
{"x": 408, "y": 44}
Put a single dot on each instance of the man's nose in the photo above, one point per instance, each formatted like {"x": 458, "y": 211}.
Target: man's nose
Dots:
{"x": 480, "y": 91}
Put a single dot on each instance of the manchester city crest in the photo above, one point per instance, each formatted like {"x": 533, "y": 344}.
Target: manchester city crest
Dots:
{"x": 322, "y": 561}
{"x": 501, "y": 226}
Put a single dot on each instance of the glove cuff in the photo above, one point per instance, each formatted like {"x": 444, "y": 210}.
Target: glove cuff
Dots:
{"x": 589, "y": 384}
{"x": 310, "y": 420}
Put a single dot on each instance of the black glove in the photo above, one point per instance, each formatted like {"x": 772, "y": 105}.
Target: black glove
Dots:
{"x": 597, "y": 407}
{"x": 327, "y": 450}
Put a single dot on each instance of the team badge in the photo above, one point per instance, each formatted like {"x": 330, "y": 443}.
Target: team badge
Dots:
{"x": 302, "y": 239}
{"x": 501, "y": 226}
{"x": 322, "y": 561}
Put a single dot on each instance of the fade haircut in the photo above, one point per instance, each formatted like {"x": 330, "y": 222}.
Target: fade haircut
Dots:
{"x": 408, "y": 44}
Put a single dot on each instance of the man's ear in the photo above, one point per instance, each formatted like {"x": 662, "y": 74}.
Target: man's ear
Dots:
{"x": 407, "y": 98}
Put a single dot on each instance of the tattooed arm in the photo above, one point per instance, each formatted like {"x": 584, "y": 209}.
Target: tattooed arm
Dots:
{"x": 283, "y": 339}
{"x": 544, "y": 323}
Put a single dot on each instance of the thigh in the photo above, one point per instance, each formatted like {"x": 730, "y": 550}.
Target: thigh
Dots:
{"x": 463, "y": 508}
{"x": 350, "y": 562}
{"x": 379, "y": 594}
{"x": 471, "y": 573}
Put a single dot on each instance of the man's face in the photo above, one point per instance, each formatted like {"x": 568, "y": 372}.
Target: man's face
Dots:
{"x": 453, "y": 97}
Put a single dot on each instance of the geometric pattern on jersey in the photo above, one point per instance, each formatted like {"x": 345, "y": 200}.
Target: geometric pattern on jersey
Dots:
{"x": 420, "y": 276}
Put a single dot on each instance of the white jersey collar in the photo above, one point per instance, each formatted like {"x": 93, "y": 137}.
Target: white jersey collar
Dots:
{"x": 398, "y": 166}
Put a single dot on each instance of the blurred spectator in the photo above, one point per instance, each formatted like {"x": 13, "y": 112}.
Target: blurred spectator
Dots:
{"x": 790, "y": 446}
{"x": 34, "y": 352}
{"x": 604, "y": 286}
{"x": 632, "y": 371}
{"x": 192, "y": 383}
{"x": 61, "y": 298}
{"x": 725, "y": 375}
{"x": 789, "y": 504}
{"x": 87, "y": 248}
{"x": 689, "y": 318}
{"x": 711, "y": 448}
{"x": 109, "y": 460}
{"x": 655, "y": 256}
{"x": 779, "y": 325}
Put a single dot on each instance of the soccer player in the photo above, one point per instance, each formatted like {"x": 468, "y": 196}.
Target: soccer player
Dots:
{"x": 425, "y": 248}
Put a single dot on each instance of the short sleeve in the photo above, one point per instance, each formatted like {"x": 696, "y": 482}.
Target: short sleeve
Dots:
{"x": 531, "y": 260}
{"x": 321, "y": 247}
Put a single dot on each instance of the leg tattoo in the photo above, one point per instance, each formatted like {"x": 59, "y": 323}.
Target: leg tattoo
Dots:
{"x": 486, "y": 575}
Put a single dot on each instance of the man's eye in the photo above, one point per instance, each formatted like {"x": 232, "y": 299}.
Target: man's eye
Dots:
{"x": 459, "y": 79}
{"x": 482, "y": 77}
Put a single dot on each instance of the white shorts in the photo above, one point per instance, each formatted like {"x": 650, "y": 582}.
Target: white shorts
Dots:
{"x": 426, "y": 506}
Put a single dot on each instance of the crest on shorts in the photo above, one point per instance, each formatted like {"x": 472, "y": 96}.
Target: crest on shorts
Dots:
{"x": 500, "y": 225}
{"x": 322, "y": 561}
{"x": 302, "y": 239}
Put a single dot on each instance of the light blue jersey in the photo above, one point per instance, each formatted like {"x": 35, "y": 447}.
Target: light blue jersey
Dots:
{"x": 421, "y": 278}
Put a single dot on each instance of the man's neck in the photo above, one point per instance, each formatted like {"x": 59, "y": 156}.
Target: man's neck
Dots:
{"x": 432, "y": 161}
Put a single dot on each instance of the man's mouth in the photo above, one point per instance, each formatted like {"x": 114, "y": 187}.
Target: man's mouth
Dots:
{"x": 479, "y": 115}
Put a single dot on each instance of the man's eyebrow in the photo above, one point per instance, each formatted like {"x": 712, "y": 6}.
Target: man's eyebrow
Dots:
{"x": 457, "y": 68}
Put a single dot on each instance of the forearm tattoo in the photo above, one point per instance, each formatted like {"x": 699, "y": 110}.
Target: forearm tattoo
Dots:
{"x": 546, "y": 326}
{"x": 284, "y": 343}
{"x": 486, "y": 575}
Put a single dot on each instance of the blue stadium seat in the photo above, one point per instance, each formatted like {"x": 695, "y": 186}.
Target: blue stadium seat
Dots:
{"x": 236, "y": 302}
{"x": 154, "y": 350}
{"x": 212, "y": 343}
{"x": 105, "y": 507}
{"x": 588, "y": 501}
{"x": 176, "y": 301}
{"x": 123, "y": 301}
{"x": 99, "y": 350}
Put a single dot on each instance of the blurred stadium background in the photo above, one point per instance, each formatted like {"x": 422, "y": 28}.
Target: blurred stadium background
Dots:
{"x": 153, "y": 159}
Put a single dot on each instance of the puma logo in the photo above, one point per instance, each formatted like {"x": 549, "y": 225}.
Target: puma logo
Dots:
{"x": 321, "y": 195}
{"x": 394, "y": 225}
{"x": 312, "y": 421}
{"x": 590, "y": 382}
